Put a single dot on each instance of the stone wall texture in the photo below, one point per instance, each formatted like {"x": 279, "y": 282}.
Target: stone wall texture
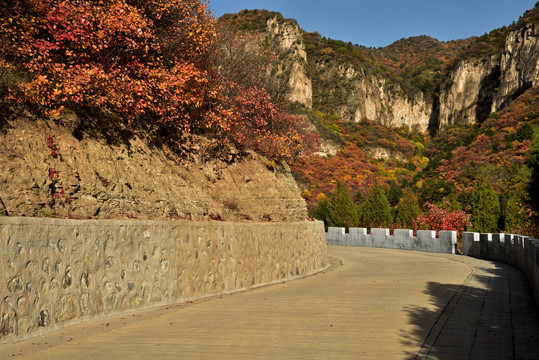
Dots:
{"x": 519, "y": 251}
{"x": 55, "y": 272}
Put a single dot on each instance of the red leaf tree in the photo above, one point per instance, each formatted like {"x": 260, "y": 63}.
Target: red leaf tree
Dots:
{"x": 248, "y": 109}
{"x": 114, "y": 55}
{"x": 437, "y": 218}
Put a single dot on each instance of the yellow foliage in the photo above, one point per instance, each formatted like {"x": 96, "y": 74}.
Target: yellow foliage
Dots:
{"x": 306, "y": 194}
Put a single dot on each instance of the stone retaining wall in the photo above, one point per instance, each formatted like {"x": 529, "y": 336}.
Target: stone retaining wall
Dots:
{"x": 425, "y": 240}
{"x": 519, "y": 251}
{"x": 55, "y": 272}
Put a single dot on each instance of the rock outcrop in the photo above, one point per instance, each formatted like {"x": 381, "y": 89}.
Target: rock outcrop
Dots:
{"x": 357, "y": 95}
{"x": 519, "y": 65}
{"x": 290, "y": 40}
{"x": 478, "y": 87}
{"x": 468, "y": 93}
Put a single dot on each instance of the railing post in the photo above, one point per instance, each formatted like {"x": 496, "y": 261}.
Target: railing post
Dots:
{"x": 448, "y": 241}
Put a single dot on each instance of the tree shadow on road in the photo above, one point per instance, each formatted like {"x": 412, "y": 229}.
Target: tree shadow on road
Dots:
{"x": 492, "y": 315}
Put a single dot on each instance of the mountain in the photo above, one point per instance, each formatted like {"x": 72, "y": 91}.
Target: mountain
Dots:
{"x": 419, "y": 115}
{"x": 418, "y": 82}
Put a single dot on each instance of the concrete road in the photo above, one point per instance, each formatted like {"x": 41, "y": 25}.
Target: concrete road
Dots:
{"x": 373, "y": 304}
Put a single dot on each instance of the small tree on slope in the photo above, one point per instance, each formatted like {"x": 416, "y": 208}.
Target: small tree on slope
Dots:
{"x": 485, "y": 206}
{"x": 343, "y": 208}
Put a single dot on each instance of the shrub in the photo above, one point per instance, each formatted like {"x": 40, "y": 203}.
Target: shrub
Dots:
{"x": 376, "y": 211}
{"x": 437, "y": 218}
{"x": 323, "y": 212}
{"x": 407, "y": 210}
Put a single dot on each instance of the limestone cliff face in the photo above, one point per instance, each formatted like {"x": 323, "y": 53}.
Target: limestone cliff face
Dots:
{"x": 290, "y": 40}
{"x": 357, "y": 95}
{"x": 476, "y": 88}
{"x": 468, "y": 93}
{"x": 379, "y": 152}
{"x": 519, "y": 64}
{"x": 472, "y": 90}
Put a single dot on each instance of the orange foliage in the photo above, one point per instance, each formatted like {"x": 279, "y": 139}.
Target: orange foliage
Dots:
{"x": 113, "y": 55}
{"x": 148, "y": 60}
{"x": 500, "y": 144}
{"x": 249, "y": 119}
{"x": 352, "y": 166}
{"x": 247, "y": 109}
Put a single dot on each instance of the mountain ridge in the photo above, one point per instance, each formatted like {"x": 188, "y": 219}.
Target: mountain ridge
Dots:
{"x": 404, "y": 113}
{"x": 395, "y": 69}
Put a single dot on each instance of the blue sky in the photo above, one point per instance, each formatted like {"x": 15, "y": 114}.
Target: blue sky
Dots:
{"x": 379, "y": 23}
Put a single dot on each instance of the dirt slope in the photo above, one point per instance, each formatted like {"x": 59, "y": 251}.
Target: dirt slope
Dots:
{"x": 46, "y": 171}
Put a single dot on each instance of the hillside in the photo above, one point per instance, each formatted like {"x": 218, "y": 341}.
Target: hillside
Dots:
{"x": 420, "y": 61}
{"x": 371, "y": 152}
{"x": 417, "y": 82}
{"x": 117, "y": 110}
{"x": 499, "y": 148}
{"x": 373, "y": 107}
{"x": 46, "y": 171}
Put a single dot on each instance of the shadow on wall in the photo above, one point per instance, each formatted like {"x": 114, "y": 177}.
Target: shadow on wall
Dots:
{"x": 493, "y": 315}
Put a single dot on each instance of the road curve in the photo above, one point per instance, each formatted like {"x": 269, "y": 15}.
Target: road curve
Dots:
{"x": 373, "y": 304}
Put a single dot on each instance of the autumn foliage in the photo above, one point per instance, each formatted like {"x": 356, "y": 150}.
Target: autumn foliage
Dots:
{"x": 148, "y": 61}
{"x": 354, "y": 167}
{"x": 112, "y": 55}
{"x": 440, "y": 218}
{"x": 249, "y": 111}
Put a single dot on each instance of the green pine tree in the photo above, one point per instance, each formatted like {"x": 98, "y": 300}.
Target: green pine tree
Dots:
{"x": 407, "y": 210}
{"x": 513, "y": 218}
{"x": 485, "y": 206}
{"x": 343, "y": 208}
{"x": 394, "y": 194}
{"x": 323, "y": 212}
{"x": 376, "y": 211}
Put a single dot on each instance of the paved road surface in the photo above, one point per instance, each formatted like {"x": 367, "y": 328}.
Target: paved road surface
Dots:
{"x": 373, "y": 304}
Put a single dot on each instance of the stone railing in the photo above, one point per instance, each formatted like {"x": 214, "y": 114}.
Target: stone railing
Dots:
{"x": 55, "y": 272}
{"x": 426, "y": 240}
{"x": 519, "y": 251}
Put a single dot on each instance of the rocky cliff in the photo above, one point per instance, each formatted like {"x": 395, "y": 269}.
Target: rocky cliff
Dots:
{"x": 356, "y": 95}
{"x": 478, "y": 87}
{"x": 519, "y": 64}
{"x": 474, "y": 88}
{"x": 46, "y": 171}
{"x": 293, "y": 66}
{"x": 468, "y": 93}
